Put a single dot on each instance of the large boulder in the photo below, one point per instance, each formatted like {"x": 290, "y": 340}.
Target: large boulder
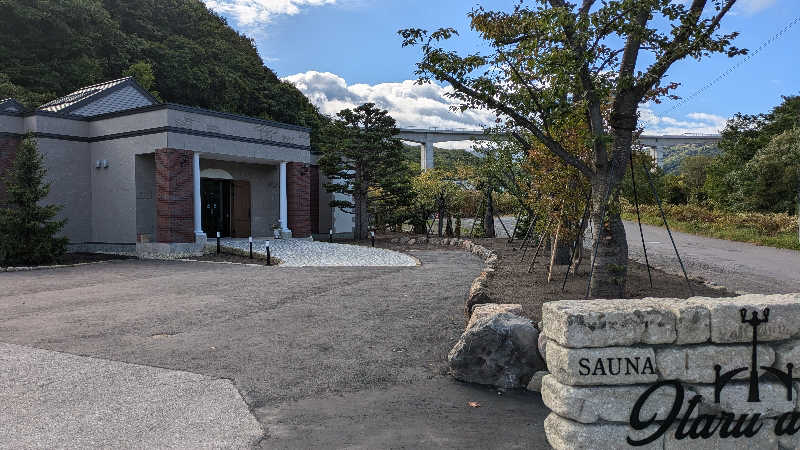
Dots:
{"x": 490, "y": 309}
{"x": 498, "y": 350}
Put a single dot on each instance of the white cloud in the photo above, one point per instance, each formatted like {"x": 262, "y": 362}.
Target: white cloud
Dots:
{"x": 249, "y": 12}
{"x": 753, "y": 6}
{"x": 694, "y": 123}
{"x": 412, "y": 105}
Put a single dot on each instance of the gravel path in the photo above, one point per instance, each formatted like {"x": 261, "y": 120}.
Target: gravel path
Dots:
{"x": 305, "y": 253}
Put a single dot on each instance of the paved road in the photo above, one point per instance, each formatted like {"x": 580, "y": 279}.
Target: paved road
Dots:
{"x": 736, "y": 265}
{"x": 323, "y": 357}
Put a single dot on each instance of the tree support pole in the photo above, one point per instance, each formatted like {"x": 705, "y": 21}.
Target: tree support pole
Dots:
{"x": 577, "y": 240}
{"x": 639, "y": 219}
{"x": 666, "y": 224}
{"x": 472, "y": 230}
{"x": 524, "y": 246}
{"x": 504, "y": 226}
{"x": 519, "y": 215}
{"x": 539, "y": 247}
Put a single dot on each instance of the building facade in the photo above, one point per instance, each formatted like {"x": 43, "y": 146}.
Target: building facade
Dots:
{"x": 128, "y": 169}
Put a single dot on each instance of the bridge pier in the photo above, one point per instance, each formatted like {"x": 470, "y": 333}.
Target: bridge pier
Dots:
{"x": 426, "y": 155}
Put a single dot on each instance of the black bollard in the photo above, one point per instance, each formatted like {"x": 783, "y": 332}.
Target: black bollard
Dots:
{"x": 218, "y": 242}
{"x": 372, "y": 237}
{"x": 330, "y": 235}
{"x": 269, "y": 259}
{"x": 251, "y": 247}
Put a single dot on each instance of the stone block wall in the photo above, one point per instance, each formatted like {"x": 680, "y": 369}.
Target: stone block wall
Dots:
{"x": 174, "y": 196}
{"x": 298, "y": 197}
{"x": 671, "y": 373}
{"x": 8, "y": 152}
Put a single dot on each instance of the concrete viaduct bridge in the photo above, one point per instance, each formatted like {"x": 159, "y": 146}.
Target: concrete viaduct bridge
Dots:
{"x": 427, "y": 137}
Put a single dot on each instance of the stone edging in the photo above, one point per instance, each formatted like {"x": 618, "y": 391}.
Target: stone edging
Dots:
{"x": 54, "y": 266}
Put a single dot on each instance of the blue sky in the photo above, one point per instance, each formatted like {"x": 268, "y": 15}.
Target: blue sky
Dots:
{"x": 344, "y": 52}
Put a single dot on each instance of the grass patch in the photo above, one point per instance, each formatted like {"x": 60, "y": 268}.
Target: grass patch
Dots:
{"x": 772, "y": 230}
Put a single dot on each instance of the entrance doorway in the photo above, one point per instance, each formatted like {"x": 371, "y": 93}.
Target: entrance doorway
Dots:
{"x": 226, "y": 207}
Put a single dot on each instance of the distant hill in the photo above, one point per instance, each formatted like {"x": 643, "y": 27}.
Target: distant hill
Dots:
{"x": 50, "y": 48}
{"x": 442, "y": 158}
{"x": 675, "y": 154}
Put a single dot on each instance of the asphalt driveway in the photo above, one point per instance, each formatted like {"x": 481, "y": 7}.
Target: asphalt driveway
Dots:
{"x": 323, "y": 357}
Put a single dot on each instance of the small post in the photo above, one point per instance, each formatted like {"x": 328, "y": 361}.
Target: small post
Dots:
{"x": 269, "y": 258}
{"x": 218, "y": 245}
{"x": 330, "y": 235}
{"x": 251, "y": 247}
{"x": 372, "y": 237}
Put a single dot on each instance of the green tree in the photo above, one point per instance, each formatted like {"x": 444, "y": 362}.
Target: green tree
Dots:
{"x": 142, "y": 72}
{"x": 744, "y": 135}
{"x": 27, "y": 229}
{"x": 694, "y": 169}
{"x": 772, "y": 176}
{"x": 360, "y": 153}
{"x": 549, "y": 59}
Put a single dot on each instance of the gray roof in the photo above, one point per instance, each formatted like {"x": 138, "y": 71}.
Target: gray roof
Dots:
{"x": 10, "y": 104}
{"x": 82, "y": 96}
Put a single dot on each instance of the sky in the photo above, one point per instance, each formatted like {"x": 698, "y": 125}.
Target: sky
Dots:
{"x": 342, "y": 53}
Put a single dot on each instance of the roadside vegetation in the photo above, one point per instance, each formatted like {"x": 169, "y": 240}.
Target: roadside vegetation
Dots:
{"x": 748, "y": 192}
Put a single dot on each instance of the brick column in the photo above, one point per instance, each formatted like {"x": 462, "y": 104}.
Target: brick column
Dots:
{"x": 174, "y": 196}
{"x": 8, "y": 152}
{"x": 298, "y": 192}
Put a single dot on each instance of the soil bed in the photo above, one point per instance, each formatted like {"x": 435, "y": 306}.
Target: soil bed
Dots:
{"x": 511, "y": 283}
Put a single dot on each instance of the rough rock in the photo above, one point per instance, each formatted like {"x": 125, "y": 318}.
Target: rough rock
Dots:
{"x": 593, "y": 404}
{"x": 542, "y": 344}
{"x": 490, "y": 309}
{"x": 579, "y": 324}
{"x": 601, "y": 366}
{"x": 535, "y": 385}
{"x": 695, "y": 364}
{"x": 726, "y": 321}
{"x": 478, "y": 294}
{"x": 499, "y": 350}
{"x": 733, "y": 399}
{"x": 565, "y": 434}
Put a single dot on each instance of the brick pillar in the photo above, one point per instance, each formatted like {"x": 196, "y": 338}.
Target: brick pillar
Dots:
{"x": 174, "y": 196}
{"x": 298, "y": 193}
{"x": 8, "y": 152}
{"x": 314, "y": 199}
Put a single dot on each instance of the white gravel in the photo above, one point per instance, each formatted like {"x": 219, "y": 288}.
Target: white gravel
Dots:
{"x": 305, "y": 253}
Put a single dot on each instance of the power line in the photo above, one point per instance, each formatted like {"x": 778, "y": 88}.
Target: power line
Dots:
{"x": 732, "y": 68}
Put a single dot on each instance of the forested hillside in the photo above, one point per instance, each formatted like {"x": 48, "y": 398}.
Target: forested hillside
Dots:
{"x": 51, "y": 47}
{"x": 442, "y": 158}
{"x": 673, "y": 156}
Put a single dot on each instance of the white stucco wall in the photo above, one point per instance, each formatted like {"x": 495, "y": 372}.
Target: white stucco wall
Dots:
{"x": 114, "y": 188}
{"x": 69, "y": 175}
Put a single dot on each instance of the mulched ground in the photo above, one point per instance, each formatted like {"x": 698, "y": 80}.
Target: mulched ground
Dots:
{"x": 512, "y": 284}
{"x": 79, "y": 258}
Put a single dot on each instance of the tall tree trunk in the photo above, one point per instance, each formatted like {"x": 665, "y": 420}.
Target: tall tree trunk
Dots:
{"x": 440, "y": 218}
{"x": 488, "y": 222}
{"x": 458, "y": 226}
{"x": 611, "y": 260}
{"x": 448, "y": 231}
{"x": 361, "y": 227}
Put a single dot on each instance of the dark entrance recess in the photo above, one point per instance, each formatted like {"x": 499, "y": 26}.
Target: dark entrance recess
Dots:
{"x": 226, "y": 207}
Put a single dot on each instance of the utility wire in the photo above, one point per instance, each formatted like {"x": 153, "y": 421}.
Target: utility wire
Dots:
{"x": 732, "y": 68}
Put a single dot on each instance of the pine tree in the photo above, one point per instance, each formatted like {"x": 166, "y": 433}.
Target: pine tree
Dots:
{"x": 27, "y": 229}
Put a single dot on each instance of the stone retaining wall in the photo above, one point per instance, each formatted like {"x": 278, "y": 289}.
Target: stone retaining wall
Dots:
{"x": 604, "y": 356}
